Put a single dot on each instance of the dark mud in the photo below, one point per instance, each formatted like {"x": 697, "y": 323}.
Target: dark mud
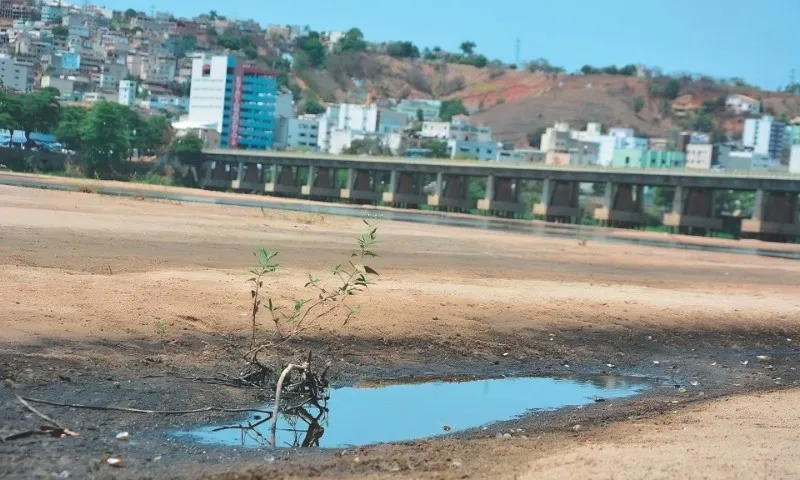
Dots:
{"x": 690, "y": 367}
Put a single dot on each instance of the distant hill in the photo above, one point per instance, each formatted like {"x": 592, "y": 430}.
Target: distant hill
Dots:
{"x": 515, "y": 102}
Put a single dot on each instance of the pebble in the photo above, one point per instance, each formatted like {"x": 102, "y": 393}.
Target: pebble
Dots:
{"x": 9, "y": 384}
{"x": 123, "y": 436}
{"x": 269, "y": 459}
{"x": 457, "y": 463}
{"x": 576, "y": 428}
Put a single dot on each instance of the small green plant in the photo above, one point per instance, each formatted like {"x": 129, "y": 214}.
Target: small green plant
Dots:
{"x": 161, "y": 331}
{"x": 344, "y": 281}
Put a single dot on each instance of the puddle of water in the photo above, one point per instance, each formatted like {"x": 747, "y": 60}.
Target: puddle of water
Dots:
{"x": 362, "y": 416}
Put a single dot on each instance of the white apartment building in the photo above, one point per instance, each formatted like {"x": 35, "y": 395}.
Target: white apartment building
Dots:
{"x": 361, "y": 118}
{"x": 742, "y": 104}
{"x": 207, "y": 97}
{"x": 462, "y": 129}
{"x": 127, "y": 92}
{"x": 765, "y": 136}
{"x": 794, "y": 160}
{"x": 304, "y": 132}
{"x": 15, "y": 75}
{"x": 700, "y": 155}
{"x": 440, "y": 130}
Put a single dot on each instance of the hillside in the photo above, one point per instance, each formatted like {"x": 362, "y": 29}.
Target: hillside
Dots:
{"x": 515, "y": 102}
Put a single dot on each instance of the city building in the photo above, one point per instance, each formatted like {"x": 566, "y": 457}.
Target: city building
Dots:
{"x": 127, "y": 92}
{"x": 430, "y": 109}
{"x": 701, "y": 155}
{"x": 462, "y": 129}
{"x": 390, "y": 121}
{"x": 742, "y": 104}
{"x": 637, "y": 158}
{"x": 521, "y": 156}
{"x": 240, "y": 99}
{"x": 53, "y": 12}
{"x": 15, "y": 75}
{"x": 794, "y": 160}
{"x": 440, "y": 130}
{"x": 731, "y": 158}
{"x": 556, "y": 138}
{"x": 65, "y": 62}
{"x": 473, "y": 149}
{"x": 578, "y": 153}
{"x": 304, "y": 132}
{"x": 765, "y": 136}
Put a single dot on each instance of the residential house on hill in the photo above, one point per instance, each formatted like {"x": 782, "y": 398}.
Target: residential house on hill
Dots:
{"x": 742, "y": 104}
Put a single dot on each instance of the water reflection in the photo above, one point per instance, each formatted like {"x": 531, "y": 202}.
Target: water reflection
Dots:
{"x": 363, "y": 416}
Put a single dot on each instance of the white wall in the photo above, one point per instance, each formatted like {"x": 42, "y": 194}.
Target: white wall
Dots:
{"x": 207, "y": 97}
{"x": 607, "y": 145}
{"x": 439, "y": 130}
{"x": 794, "y": 160}
{"x": 127, "y": 92}
{"x": 363, "y": 118}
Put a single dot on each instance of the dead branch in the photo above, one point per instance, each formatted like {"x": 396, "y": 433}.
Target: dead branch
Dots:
{"x": 289, "y": 368}
{"x": 39, "y": 414}
{"x": 151, "y": 412}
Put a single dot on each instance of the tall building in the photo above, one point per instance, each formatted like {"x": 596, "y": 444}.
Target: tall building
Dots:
{"x": 238, "y": 99}
{"x": 765, "y": 136}
{"x": 127, "y": 92}
{"x": 15, "y": 75}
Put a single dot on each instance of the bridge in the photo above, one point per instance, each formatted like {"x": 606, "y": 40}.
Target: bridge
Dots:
{"x": 443, "y": 184}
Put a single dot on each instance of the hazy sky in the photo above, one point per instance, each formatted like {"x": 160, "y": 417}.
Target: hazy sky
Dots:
{"x": 756, "y": 40}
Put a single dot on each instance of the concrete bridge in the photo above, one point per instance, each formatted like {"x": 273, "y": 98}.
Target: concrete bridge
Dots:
{"x": 405, "y": 182}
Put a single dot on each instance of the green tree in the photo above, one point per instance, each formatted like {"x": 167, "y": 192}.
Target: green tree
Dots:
{"x": 106, "y": 138}
{"x": 535, "y": 137}
{"x": 9, "y": 111}
{"x": 352, "y": 41}
{"x": 130, "y": 14}
{"x": 468, "y": 47}
{"x": 719, "y": 136}
{"x": 438, "y": 148}
{"x": 69, "y": 127}
{"x": 313, "y": 51}
{"x": 451, "y": 108}
{"x": 367, "y": 147}
{"x": 39, "y": 111}
{"x": 638, "y": 104}
{"x": 154, "y": 136}
{"x": 672, "y": 89}
{"x": 311, "y": 105}
{"x": 701, "y": 122}
{"x": 229, "y": 41}
{"x": 188, "y": 149}
{"x": 60, "y": 31}
{"x": 402, "y": 50}
{"x": 420, "y": 115}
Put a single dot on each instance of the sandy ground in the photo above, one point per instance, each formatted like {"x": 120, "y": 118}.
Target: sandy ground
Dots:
{"x": 84, "y": 279}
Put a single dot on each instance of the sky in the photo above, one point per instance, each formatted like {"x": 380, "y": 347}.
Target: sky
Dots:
{"x": 754, "y": 40}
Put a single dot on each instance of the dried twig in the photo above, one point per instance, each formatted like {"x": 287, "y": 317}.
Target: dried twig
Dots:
{"x": 151, "y": 412}
{"x": 39, "y": 414}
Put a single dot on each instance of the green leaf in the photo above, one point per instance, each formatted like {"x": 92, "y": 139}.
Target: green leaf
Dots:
{"x": 371, "y": 270}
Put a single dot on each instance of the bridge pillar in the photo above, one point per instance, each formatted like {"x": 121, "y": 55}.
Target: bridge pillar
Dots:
{"x": 360, "y": 186}
{"x": 623, "y": 205}
{"x": 450, "y": 192}
{"x": 775, "y": 217}
{"x": 405, "y": 188}
{"x": 283, "y": 181}
{"x": 248, "y": 177}
{"x": 502, "y": 195}
{"x": 320, "y": 183}
{"x": 693, "y": 211}
{"x": 559, "y": 201}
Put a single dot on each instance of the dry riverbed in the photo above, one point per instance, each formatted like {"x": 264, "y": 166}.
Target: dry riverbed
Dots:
{"x": 85, "y": 279}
